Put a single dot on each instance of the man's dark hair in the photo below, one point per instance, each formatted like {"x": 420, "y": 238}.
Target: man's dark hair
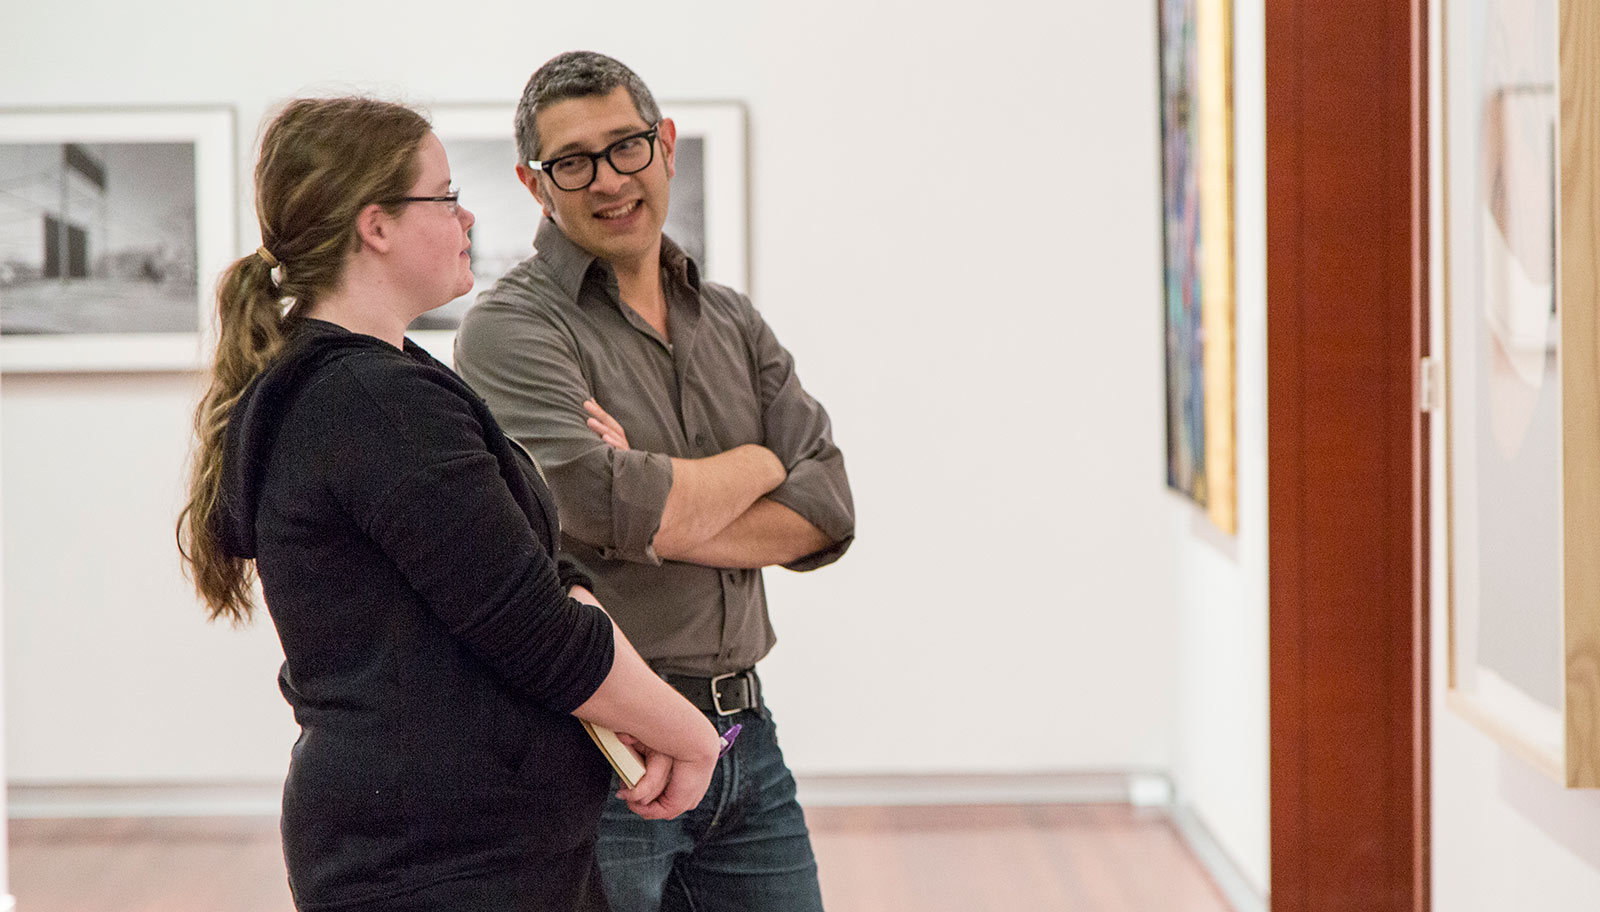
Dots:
{"x": 576, "y": 74}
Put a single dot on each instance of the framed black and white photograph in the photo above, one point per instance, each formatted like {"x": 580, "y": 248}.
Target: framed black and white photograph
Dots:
{"x": 114, "y": 225}
{"x": 707, "y": 216}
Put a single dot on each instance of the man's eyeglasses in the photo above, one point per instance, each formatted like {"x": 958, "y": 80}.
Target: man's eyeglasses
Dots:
{"x": 453, "y": 198}
{"x": 628, "y": 155}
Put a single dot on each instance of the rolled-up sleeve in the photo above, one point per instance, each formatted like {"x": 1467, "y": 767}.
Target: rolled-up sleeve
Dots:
{"x": 797, "y": 429}
{"x": 526, "y": 367}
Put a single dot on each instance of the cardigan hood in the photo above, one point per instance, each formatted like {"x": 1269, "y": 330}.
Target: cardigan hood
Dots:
{"x": 253, "y": 424}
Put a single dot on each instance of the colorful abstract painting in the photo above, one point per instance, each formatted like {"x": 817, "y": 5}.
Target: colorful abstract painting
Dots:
{"x": 1197, "y": 223}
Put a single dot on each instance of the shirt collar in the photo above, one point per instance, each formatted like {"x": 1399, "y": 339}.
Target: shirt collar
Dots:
{"x": 565, "y": 261}
{"x": 569, "y": 264}
{"x": 680, "y": 267}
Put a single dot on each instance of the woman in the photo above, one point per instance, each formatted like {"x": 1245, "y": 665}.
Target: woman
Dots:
{"x": 436, "y": 650}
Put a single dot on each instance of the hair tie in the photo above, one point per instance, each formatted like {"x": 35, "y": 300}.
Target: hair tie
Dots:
{"x": 267, "y": 257}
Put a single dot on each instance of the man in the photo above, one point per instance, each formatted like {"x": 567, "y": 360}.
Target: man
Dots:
{"x": 684, "y": 456}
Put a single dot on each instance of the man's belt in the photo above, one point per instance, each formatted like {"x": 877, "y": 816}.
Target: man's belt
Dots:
{"x": 723, "y": 694}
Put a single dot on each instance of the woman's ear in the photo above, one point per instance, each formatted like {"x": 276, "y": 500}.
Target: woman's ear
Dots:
{"x": 374, "y": 227}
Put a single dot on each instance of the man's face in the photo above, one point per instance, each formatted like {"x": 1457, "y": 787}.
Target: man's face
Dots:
{"x": 618, "y": 217}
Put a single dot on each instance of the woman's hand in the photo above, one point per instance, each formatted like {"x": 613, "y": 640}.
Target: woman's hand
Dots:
{"x": 679, "y": 744}
{"x": 669, "y": 786}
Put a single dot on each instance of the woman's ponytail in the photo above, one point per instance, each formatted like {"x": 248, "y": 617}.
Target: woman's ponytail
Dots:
{"x": 251, "y": 331}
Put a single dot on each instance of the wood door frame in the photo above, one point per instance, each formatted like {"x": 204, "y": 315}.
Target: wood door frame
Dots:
{"x": 1347, "y": 294}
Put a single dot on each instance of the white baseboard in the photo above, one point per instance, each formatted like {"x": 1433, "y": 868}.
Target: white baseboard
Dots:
{"x": 878, "y": 790}
{"x": 264, "y": 798}
{"x": 1241, "y": 895}
{"x": 1143, "y": 789}
{"x": 190, "y": 799}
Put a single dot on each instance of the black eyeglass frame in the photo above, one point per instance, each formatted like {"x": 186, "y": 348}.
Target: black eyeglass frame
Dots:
{"x": 548, "y": 167}
{"x": 453, "y": 197}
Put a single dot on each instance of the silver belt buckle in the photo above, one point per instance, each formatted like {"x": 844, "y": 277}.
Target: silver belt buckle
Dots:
{"x": 716, "y": 695}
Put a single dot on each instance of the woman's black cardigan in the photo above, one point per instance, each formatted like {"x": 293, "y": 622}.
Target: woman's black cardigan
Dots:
{"x": 407, "y": 553}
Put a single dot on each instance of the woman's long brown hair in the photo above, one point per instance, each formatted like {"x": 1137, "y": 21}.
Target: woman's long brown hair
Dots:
{"x": 323, "y": 160}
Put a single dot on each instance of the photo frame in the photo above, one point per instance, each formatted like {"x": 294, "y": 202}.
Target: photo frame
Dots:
{"x": 114, "y": 225}
{"x": 1521, "y": 202}
{"x": 708, "y": 214}
{"x": 1197, "y": 230}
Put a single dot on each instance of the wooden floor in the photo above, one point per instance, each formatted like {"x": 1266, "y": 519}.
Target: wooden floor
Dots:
{"x": 929, "y": 859}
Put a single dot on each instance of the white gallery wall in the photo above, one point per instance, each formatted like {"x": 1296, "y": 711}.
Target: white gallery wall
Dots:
{"x": 1221, "y": 589}
{"x": 988, "y": 342}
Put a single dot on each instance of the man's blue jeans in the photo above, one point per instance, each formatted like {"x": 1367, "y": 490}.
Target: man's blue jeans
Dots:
{"x": 744, "y": 849}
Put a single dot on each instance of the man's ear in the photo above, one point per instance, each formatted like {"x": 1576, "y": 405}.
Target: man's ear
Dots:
{"x": 533, "y": 181}
{"x": 375, "y": 228}
{"x": 667, "y": 136}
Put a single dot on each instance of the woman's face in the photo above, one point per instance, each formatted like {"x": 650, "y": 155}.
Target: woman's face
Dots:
{"x": 431, "y": 236}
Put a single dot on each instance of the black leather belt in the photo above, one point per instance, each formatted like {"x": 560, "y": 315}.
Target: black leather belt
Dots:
{"x": 723, "y": 694}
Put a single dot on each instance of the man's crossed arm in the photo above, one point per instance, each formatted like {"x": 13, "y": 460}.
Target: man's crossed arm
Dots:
{"x": 716, "y": 513}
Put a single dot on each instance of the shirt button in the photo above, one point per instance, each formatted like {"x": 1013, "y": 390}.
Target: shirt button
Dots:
{"x": 730, "y": 576}
{"x": 700, "y": 440}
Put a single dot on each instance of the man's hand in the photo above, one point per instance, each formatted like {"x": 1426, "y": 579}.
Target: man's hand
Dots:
{"x": 604, "y": 425}
{"x": 768, "y": 533}
{"x": 707, "y": 493}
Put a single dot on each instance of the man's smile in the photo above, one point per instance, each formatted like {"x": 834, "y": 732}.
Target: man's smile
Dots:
{"x": 616, "y": 212}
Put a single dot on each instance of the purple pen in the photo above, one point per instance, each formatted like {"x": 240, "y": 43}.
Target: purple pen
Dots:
{"x": 727, "y": 739}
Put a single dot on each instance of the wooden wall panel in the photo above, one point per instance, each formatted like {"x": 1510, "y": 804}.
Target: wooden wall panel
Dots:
{"x": 1580, "y": 379}
{"x": 1346, "y": 287}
